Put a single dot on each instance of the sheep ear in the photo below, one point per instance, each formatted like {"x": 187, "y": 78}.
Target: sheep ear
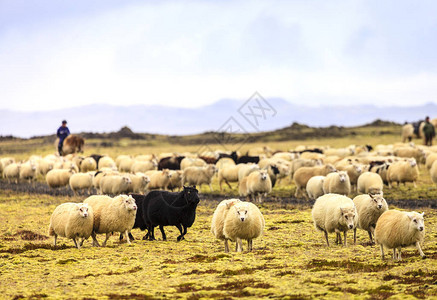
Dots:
{"x": 423, "y": 214}
{"x": 411, "y": 216}
{"x": 342, "y": 212}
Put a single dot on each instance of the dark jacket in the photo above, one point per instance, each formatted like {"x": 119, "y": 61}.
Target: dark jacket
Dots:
{"x": 428, "y": 129}
{"x": 62, "y": 133}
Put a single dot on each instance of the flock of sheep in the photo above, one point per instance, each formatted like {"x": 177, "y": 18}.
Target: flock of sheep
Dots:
{"x": 324, "y": 174}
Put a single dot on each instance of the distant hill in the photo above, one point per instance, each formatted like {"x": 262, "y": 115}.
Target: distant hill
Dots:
{"x": 219, "y": 116}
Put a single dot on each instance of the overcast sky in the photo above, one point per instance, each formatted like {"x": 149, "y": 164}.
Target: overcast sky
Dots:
{"x": 58, "y": 54}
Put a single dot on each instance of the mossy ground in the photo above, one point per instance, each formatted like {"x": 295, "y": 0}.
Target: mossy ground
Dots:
{"x": 290, "y": 261}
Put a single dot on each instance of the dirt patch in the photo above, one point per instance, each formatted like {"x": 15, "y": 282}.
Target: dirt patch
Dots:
{"x": 350, "y": 266}
{"x": 31, "y": 246}
{"x": 131, "y": 296}
{"x": 28, "y": 235}
{"x": 133, "y": 270}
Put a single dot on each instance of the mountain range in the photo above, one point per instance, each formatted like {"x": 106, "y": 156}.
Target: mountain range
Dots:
{"x": 256, "y": 114}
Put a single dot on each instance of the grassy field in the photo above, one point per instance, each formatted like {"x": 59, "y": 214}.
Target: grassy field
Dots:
{"x": 291, "y": 260}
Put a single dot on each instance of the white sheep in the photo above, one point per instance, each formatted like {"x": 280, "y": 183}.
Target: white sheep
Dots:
{"x": 369, "y": 207}
{"x": 12, "y": 172}
{"x": 433, "y": 172}
{"x": 126, "y": 164}
{"x": 143, "y": 166}
{"x": 88, "y": 164}
{"x": 45, "y": 165}
{"x": 99, "y": 175}
{"x": 80, "y": 181}
{"x": 407, "y": 132}
{"x": 337, "y": 183}
{"x": 199, "y": 175}
{"x": 224, "y": 161}
{"x": 315, "y": 187}
{"x": 396, "y": 229}
{"x": 228, "y": 173}
{"x": 334, "y": 213}
{"x": 353, "y": 171}
{"x": 303, "y": 174}
{"x": 120, "y": 158}
{"x": 410, "y": 152}
{"x": 112, "y": 215}
{"x": 59, "y": 177}
{"x": 402, "y": 172}
{"x": 218, "y": 219}
{"x": 107, "y": 162}
{"x": 430, "y": 159}
{"x": 369, "y": 182}
{"x": 114, "y": 184}
{"x": 176, "y": 180}
{"x": 242, "y": 187}
{"x": 258, "y": 184}
{"x": 28, "y": 171}
{"x": 302, "y": 162}
{"x": 139, "y": 183}
{"x": 192, "y": 162}
{"x": 244, "y": 221}
{"x": 246, "y": 169}
{"x": 73, "y": 221}
{"x": 159, "y": 179}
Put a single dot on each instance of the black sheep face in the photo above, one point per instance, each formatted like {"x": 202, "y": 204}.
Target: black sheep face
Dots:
{"x": 191, "y": 194}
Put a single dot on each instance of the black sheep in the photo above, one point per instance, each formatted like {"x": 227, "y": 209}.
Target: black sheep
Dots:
{"x": 233, "y": 155}
{"x": 171, "y": 163}
{"x": 96, "y": 157}
{"x": 248, "y": 159}
{"x": 157, "y": 199}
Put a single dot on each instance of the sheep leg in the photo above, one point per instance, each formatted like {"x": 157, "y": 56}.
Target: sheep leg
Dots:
{"x": 121, "y": 236}
{"x": 382, "y": 251}
{"x": 394, "y": 254}
{"x": 372, "y": 234}
{"x": 239, "y": 245}
{"x": 344, "y": 234}
{"x": 152, "y": 233}
{"x": 399, "y": 254}
{"x": 131, "y": 237}
{"x": 106, "y": 239}
{"x": 127, "y": 236}
{"x": 95, "y": 242}
{"x": 210, "y": 187}
{"x": 81, "y": 242}
{"x": 230, "y": 187}
{"x": 249, "y": 245}
{"x": 181, "y": 237}
{"x": 164, "y": 237}
{"x": 54, "y": 242}
{"x": 355, "y": 235}
{"x": 415, "y": 185}
{"x": 326, "y": 237}
{"x": 75, "y": 243}
{"x": 226, "y": 246}
{"x": 420, "y": 250}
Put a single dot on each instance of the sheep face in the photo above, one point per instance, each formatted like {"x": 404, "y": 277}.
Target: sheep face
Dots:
{"x": 145, "y": 179}
{"x": 330, "y": 168}
{"x": 412, "y": 162}
{"x": 358, "y": 169}
{"x": 378, "y": 200}
{"x": 347, "y": 217}
{"x": 242, "y": 211}
{"x": 83, "y": 210}
{"x": 263, "y": 175}
{"x": 127, "y": 180}
{"x": 129, "y": 203}
{"x": 417, "y": 221}
{"x": 191, "y": 194}
{"x": 342, "y": 176}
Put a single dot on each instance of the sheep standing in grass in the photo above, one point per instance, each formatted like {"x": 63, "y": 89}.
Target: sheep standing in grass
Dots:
{"x": 176, "y": 182}
{"x": 80, "y": 181}
{"x": 59, "y": 177}
{"x": 258, "y": 184}
{"x": 159, "y": 179}
{"x": 88, "y": 164}
{"x": 12, "y": 172}
{"x": 112, "y": 215}
{"x": 114, "y": 184}
{"x": 338, "y": 183}
{"x": 228, "y": 173}
{"x": 143, "y": 166}
{"x": 315, "y": 187}
{"x": 353, "y": 171}
{"x": 106, "y": 162}
{"x": 396, "y": 229}
{"x": 244, "y": 221}
{"x": 403, "y": 171}
{"x": 28, "y": 171}
{"x": 246, "y": 169}
{"x": 407, "y": 132}
{"x": 192, "y": 162}
{"x": 139, "y": 183}
{"x": 199, "y": 175}
{"x": 218, "y": 220}
{"x": 433, "y": 172}
{"x": 302, "y": 175}
{"x": 44, "y": 166}
{"x": 334, "y": 213}
{"x": 369, "y": 182}
{"x": 242, "y": 188}
{"x": 369, "y": 207}
{"x": 73, "y": 221}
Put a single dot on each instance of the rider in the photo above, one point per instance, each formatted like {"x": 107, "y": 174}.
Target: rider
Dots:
{"x": 62, "y": 133}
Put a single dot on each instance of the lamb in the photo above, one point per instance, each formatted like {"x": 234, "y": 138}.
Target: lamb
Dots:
{"x": 403, "y": 171}
{"x": 338, "y": 183}
{"x": 433, "y": 172}
{"x": 192, "y": 162}
{"x": 80, "y": 181}
{"x": 143, "y": 166}
{"x": 302, "y": 175}
{"x": 159, "y": 179}
{"x": 407, "y": 132}
{"x": 369, "y": 182}
{"x": 315, "y": 187}
{"x": 139, "y": 183}
{"x": 114, "y": 184}
{"x": 228, "y": 173}
{"x": 88, "y": 164}
{"x": 218, "y": 220}
{"x": 334, "y": 213}
{"x": 243, "y": 221}
{"x": 258, "y": 184}
{"x": 12, "y": 172}
{"x": 73, "y": 221}
{"x": 28, "y": 171}
{"x": 112, "y": 215}
{"x": 199, "y": 175}
{"x": 396, "y": 229}
{"x": 59, "y": 177}
{"x": 246, "y": 169}
{"x": 369, "y": 207}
